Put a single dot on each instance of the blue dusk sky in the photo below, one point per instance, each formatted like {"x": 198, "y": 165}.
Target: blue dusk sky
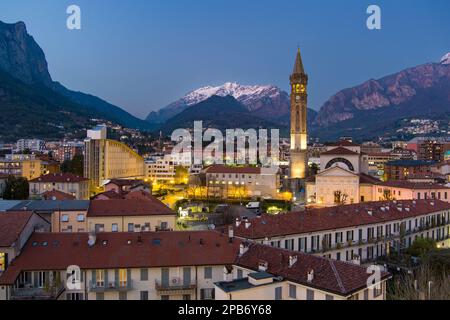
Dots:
{"x": 143, "y": 54}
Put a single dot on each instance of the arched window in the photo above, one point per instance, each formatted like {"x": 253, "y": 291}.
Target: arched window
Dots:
{"x": 340, "y": 160}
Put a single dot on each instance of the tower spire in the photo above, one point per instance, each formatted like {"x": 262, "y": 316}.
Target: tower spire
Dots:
{"x": 298, "y": 67}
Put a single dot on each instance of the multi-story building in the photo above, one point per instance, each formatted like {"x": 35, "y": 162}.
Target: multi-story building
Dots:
{"x": 160, "y": 169}
{"x": 63, "y": 182}
{"x": 108, "y": 159}
{"x": 226, "y": 182}
{"x": 403, "y": 169}
{"x": 68, "y": 150}
{"x": 377, "y": 162}
{"x": 65, "y": 216}
{"x": 176, "y": 266}
{"x": 268, "y": 273}
{"x": 30, "y": 145}
{"x": 15, "y": 230}
{"x": 432, "y": 150}
{"x": 406, "y": 190}
{"x": 353, "y": 233}
{"x": 130, "y": 215}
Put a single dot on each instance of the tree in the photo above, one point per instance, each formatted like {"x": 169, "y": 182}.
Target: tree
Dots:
{"x": 421, "y": 247}
{"x": 340, "y": 198}
{"x": 314, "y": 169}
{"x": 16, "y": 189}
{"x": 74, "y": 166}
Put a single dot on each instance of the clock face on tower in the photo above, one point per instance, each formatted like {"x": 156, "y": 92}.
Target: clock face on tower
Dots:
{"x": 297, "y": 98}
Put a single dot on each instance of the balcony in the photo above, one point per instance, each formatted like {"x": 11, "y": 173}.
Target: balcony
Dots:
{"x": 175, "y": 286}
{"x": 111, "y": 286}
{"x": 30, "y": 293}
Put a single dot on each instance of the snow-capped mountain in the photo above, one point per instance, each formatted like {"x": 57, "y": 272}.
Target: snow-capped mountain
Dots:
{"x": 247, "y": 95}
{"x": 268, "y": 100}
{"x": 446, "y": 59}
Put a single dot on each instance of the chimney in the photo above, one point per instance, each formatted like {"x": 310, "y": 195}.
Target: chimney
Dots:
{"x": 263, "y": 266}
{"x": 370, "y": 212}
{"x": 230, "y": 232}
{"x": 238, "y": 222}
{"x": 310, "y": 275}
{"x": 92, "y": 239}
{"x": 247, "y": 224}
{"x": 227, "y": 274}
{"x": 292, "y": 261}
{"x": 356, "y": 260}
{"x": 243, "y": 248}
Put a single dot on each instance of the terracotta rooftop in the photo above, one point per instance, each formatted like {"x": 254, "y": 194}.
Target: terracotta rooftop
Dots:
{"x": 342, "y": 143}
{"x": 59, "y": 177}
{"x": 339, "y": 151}
{"x": 232, "y": 170}
{"x": 412, "y": 185}
{"x": 338, "y": 277}
{"x": 109, "y": 195}
{"x": 57, "y": 251}
{"x": 332, "y": 218}
{"x": 363, "y": 179}
{"x": 11, "y": 226}
{"x": 124, "y": 182}
{"x": 128, "y": 207}
{"x": 57, "y": 195}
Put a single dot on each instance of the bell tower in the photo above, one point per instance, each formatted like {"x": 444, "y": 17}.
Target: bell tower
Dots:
{"x": 299, "y": 130}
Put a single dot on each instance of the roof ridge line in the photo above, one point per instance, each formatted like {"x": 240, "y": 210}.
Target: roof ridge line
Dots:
{"x": 338, "y": 278}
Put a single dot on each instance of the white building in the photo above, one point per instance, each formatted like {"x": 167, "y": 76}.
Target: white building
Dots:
{"x": 170, "y": 266}
{"x": 363, "y": 232}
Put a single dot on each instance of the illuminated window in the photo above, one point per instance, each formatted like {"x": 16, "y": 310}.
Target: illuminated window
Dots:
{"x": 2, "y": 261}
{"x": 123, "y": 277}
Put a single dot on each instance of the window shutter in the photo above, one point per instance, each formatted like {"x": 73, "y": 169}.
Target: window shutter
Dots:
{"x": 116, "y": 277}
{"x": 106, "y": 278}
{"x": 202, "y": 294}
{"x": 128, "y": 277}
{"x": 94, "y": 277}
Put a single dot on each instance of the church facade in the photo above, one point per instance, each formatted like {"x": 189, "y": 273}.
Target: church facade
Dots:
{"x": 343, "y": 177}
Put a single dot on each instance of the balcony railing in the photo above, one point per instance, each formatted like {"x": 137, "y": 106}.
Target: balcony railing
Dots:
{"x": 111, "y": 286}
{"x": 175, "y": 284}
{"x": 30, "y": 293}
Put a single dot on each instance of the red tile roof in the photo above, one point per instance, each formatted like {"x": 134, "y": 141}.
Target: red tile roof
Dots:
{"x": 128, "y": 207}
{"x": 339, "y": 151}
{"x": 338, "y": 277}
{"x": 412, "y": 185}
{"x": 354, "y": 215}
{"x": 59, "y": 178}
{"x": 125, "y": 182}
{"x": 108, "y": 195}
{"x": 57, "y": 195}
{"x": 363, "y": 179}
{"x": 232, "y": 170}
{"x": 12, "y": 225}
{"x": 113, "y": 250}
{"x": 343, "y": 143}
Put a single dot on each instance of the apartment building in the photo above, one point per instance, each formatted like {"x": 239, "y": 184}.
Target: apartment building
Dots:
{"x": 407, "y": 190}
{"x": 106, "y": 159}
{"x": 358, "y": 232}
{"x": 130, "y": 215}
{"x": 15, "y": 230}
{"x": 226, "y": 182}
{"x": 197, "y": 265}
{"x": 403, "y": 169}
{"x": 160, "y": 169}
{"x": 63, "y": 182}
{"x": 65, "y": 216}
{"x": 267, "y": 273}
